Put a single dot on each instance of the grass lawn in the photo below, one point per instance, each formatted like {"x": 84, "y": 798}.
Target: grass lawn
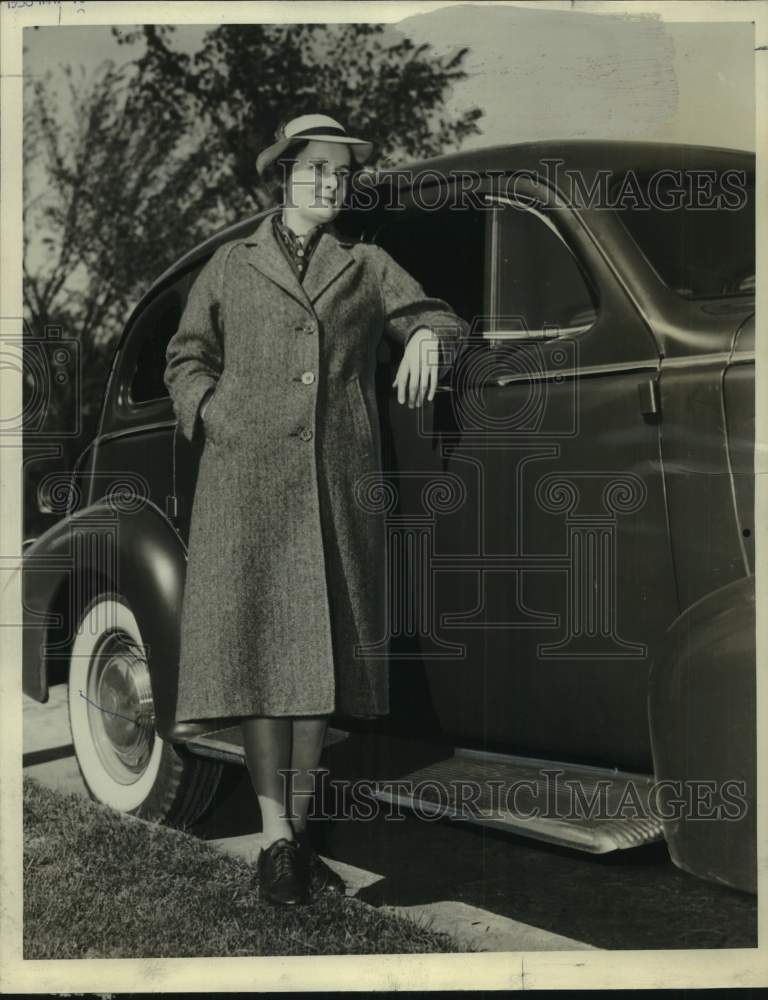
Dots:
{"x": 98, "y": 884}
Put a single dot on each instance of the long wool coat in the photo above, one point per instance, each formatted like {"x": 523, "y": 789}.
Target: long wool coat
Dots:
{"x": 285, "y": 586}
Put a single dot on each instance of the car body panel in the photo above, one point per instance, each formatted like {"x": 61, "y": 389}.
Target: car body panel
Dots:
{"x": 705, "y": 533}
{"x": 702, "y": 716}
{"x": 739, "y": 397}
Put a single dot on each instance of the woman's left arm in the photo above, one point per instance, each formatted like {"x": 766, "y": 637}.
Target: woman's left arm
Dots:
{"x": 428, "y": 328}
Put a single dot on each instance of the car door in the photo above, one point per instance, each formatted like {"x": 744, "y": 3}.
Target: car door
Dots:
{"x": 138, "y": 431}
{"x": 532, "y": 522}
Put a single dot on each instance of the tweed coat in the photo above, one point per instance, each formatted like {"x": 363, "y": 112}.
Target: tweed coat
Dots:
{"x": 284, "y": 599}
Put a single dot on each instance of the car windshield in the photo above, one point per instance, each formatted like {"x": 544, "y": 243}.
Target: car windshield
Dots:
{"x": 701, "y": 247}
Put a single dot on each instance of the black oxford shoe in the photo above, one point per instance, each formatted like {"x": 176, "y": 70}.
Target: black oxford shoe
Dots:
{"x": 319, "y": 875}
{"x": 282, "y": 877}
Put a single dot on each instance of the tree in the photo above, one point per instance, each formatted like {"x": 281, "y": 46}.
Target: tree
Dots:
{"x": 111, "y": 197}
{"x": 124, "y": 192}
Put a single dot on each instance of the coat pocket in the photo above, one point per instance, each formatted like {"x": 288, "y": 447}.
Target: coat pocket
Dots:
{"x": 360, "y": 413}
{"x": 209, "y": 418}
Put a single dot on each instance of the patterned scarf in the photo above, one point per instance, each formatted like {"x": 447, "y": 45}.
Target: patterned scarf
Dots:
{"x": 299, "y": 250}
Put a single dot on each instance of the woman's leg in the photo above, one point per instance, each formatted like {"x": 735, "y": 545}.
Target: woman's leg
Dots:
{"x": 267, "y": 744}
{"x": 307, "y": 745}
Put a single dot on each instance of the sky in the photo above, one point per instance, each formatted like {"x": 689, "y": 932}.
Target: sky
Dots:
{"x": 544, "y": 74}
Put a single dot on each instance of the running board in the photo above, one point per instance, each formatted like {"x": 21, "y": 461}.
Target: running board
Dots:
{"x": 543, "y": 799}
{"x": 226, "y": 745}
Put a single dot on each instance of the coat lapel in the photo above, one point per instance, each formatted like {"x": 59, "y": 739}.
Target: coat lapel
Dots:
{"x": 328, "y": 260}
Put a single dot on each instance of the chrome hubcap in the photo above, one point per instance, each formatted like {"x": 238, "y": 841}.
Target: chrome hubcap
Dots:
{"x": 120, "y": 709}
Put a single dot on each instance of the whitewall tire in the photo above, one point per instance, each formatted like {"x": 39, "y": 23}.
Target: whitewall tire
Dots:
{"x": 123, "y": 761}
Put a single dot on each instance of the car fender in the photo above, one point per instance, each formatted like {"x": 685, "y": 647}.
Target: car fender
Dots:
{"x": 128, "y": 547}
{"x": 702, "y": 718}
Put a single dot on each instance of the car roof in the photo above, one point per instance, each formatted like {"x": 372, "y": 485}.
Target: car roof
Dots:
{"x": 584, "y": 155}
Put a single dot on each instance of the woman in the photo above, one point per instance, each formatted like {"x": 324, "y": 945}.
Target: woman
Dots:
{"x": 272, "y": 366}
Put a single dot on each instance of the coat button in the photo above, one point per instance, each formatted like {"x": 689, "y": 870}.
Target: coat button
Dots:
{"x": 305, "y": 434}
{"x": 308, "y": 378}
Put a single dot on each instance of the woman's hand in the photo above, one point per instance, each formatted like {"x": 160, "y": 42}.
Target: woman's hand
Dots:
{"x": 419, "y": 368}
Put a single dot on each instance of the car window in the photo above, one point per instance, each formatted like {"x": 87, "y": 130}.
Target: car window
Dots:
{"x": 699, "y": 250}
{"x": 539, "y": 283}
{"x": 149, "y": 339}
{"x": 444, "y": 250}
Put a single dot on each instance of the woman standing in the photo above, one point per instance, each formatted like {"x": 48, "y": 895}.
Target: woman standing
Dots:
{"x": 273, "y": 366}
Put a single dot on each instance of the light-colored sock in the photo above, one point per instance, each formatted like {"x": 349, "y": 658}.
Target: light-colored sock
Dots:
{"x": 273, "y": 820}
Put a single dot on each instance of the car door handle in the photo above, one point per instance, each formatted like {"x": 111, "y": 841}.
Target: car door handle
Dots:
{"x": 648, "y": 392}
{"x": 498, "y": 338}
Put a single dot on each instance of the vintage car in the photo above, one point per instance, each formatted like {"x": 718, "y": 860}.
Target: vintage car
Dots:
{"x": 571, "y": 519}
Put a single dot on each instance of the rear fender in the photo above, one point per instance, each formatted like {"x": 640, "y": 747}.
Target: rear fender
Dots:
{"x": 702, "y": 716}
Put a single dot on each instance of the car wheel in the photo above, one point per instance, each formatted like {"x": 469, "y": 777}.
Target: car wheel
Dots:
{"x": 122, "y": 760}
